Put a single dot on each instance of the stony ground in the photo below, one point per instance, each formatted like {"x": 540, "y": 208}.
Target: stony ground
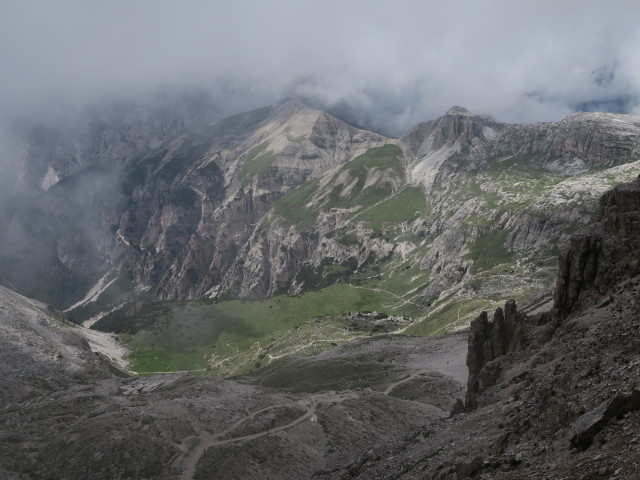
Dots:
{"x": 564, "y": 402}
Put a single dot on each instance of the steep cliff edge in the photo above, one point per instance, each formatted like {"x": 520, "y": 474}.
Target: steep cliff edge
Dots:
{"x": 489, "y": 340}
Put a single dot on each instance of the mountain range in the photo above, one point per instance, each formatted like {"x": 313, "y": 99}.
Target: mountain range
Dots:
{"x": 288, "y": 199}
{"x": 335, "y": 277}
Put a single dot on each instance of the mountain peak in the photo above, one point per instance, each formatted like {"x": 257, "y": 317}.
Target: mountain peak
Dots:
{"x": 455, "y": 110}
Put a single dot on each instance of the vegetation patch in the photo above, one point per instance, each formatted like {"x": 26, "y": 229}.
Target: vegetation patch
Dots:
{"x": 329, "y": 272}
{"x": 256, "y": 162}
{"x": 489, "y": 250}
{"x": 163, "y": 360}
{"x": 296, "y": 209}
{"x": 404, "y": 206}
{"x": 230, "y": 337}
{"x": 385, "y": 157}
{"x": 455, "y": 314}
{"x": 294, "y": 206}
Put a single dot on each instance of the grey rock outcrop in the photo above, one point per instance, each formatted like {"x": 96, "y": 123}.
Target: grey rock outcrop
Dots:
{"x": 196, "y": 213}
{"x": 489, "y": 340}
{"x": 588, "y": 425}
{"x": 566, "y": 402}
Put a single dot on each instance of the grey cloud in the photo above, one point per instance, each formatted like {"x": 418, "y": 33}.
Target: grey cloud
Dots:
{"x": 391, "y": 64}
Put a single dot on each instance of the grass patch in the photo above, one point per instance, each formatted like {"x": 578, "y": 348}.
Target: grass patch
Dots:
{"x": 162, "y": 360}
{"x": 400, "y": 282}
{"x": 229, "y": 337}
{"x": 489, "y": 251}
{"x": 296, "y": 209}
{"x": 385, "y": 157}
{"x": 293, "y": 207}
{"x": 458, "y": 313}
{"x": 256, "y": 162}
{"x": 404, "y": 206}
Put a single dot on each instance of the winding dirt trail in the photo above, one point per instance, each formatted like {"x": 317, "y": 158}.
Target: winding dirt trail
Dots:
{"x": 380, "y": 290}
{"x": 444, "y": 359}
{"x": 405, "y": 380}
{"x": 192, "y": 457}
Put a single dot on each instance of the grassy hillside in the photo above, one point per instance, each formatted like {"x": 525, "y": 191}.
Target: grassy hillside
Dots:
{"x": 360, "y": 184}
{"x": 236, "y": 336}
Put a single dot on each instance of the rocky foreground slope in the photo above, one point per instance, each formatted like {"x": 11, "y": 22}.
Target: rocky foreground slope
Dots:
{"x": 553, "y": 395}
{"x": 66, "y": 412}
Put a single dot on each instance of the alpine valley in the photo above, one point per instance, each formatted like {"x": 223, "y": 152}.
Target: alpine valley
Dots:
{"x": 279, "y": 294}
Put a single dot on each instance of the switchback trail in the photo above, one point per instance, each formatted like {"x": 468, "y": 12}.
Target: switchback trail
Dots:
{"x": 190, "y": 460}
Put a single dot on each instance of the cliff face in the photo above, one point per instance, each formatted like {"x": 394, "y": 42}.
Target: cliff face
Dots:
{"x": 591, "y": 270}
{"x": 287, "y": 198}
{"x": 186, "y": 210}
{"x": 598, "y": 260}
{"x": 489, "y": 340}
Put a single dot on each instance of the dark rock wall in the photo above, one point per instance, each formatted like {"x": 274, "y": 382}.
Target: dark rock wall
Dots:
{"x": 489, "y": 340}
{"x": 600, "y": 258}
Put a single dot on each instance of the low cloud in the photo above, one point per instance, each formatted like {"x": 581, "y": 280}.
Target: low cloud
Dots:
{"x": 391, "y": 65}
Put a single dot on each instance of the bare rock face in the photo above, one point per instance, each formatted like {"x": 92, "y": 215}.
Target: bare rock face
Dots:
{"x": 444, "y": 152}
{"x": 39, "y": 353}
{"x": 489, "y": 340}
{"x": 458, "y": 125}
{"x": 588, "y": 425}
{"x": 577, "y": 142}
{"x": 599, "y": 259}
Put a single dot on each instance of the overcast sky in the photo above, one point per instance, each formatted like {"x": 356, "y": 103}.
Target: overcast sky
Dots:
{"x": 397, "y": 63}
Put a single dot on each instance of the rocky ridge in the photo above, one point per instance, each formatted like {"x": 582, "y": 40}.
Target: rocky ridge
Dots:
{"x": 498, "y": 198}
{"x": 558, "y": 399}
